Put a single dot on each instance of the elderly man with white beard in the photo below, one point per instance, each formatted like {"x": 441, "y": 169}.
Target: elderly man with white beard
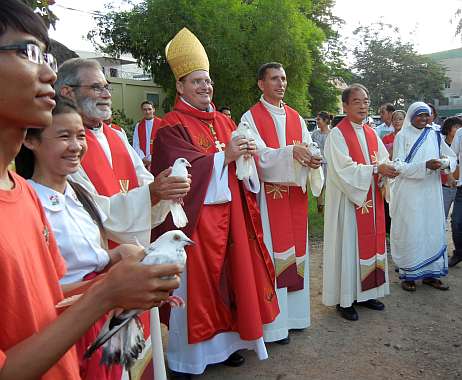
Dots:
{"x": 111, "y": 171}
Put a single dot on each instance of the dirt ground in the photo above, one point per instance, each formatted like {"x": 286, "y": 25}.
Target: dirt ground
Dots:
{"x": 418, "y": 336}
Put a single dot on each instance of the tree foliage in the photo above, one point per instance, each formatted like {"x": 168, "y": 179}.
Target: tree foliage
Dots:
{"x": 392, "y": 70}
{"x": 238, "y": 36}
{"x": 41, "y": 7}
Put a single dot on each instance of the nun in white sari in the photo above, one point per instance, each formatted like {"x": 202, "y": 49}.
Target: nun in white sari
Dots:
{"x": 418, "y": 240}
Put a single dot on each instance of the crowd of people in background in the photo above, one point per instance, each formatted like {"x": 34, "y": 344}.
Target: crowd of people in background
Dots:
{"x": 83, "y": 200}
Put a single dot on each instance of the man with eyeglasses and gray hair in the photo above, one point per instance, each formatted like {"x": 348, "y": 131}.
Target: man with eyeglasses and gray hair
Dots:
{"x": 111, "y": 171}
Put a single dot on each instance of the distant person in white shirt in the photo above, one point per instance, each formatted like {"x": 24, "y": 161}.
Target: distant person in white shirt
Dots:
{"x": 386, "y": 111}
{"x": 145, "y": 132}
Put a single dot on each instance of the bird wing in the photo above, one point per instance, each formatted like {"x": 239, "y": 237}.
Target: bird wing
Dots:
{"x": 111, "y": 327}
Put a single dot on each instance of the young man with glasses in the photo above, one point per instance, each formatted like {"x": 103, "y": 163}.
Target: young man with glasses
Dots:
{"x": 34, "y": 341}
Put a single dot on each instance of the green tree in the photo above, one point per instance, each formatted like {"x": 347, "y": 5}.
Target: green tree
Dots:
{"x": 238, "y": 36}
{"x": 392, "y": 70}
{"x": 42, "y": 8}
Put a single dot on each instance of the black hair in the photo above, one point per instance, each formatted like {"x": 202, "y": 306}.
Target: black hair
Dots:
{"x": 263, "y": 68}
{"x": 449, "y": 123}
{"x": 25, "y": 161}
{"x": 351, "y": 88}
{"x": 434, "y": 111}
{"x": 16, "y": 15}
{"x": 388, "y": 107}
{"x": 147, "y": 102}
{"x": 224, "y": 108}
{"x": 324, "y": 115}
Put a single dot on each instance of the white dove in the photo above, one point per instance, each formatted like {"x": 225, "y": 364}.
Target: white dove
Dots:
{"x": 179, "y": 169}
{"x": 245, "y": 166}
{"x": 314, "y": 176}
{"x": 122, "y": 335}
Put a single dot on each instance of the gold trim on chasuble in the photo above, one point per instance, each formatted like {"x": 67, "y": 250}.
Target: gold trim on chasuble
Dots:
{"x": 124, "y": 185}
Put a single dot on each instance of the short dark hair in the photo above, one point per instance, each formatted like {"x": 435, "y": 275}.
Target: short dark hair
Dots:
{"x": 351, "y": 88}
{"x": 224, "y": 108}
{"x": 324, "y": 115}
{"x": 434, "y": 111}
{"x": 266, "y": 66}
{"x": 17, "y": 16}
{"x": 388, "y": 107}
{"x": 147, "y": 102}
{"x": 449, "y": 123}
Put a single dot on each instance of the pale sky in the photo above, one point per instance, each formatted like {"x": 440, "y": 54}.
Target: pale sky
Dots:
{"x": 425, "y": 23}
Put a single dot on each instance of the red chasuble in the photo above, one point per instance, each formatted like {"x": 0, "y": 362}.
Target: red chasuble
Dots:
{"x": 142, "y": 133}
{"x": 109, "y": 180}
{"x": 229, "y": 270}
{"x": 287, "y": 205}
{"x": 371, "y": 231}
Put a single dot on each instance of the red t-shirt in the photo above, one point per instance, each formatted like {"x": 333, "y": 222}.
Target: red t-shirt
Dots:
{"x": 30, "y": 268}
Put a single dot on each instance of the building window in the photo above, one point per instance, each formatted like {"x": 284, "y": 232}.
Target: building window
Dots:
{"x": 113, "y": 72}
{"x": 153, "y": 98}
{"x": 447, "y": 84}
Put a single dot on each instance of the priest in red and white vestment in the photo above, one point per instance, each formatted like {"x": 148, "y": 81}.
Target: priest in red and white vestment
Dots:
{"x": 228, "y": 284}
{"x": 111, "y": 171}
{"x": 145, "y": 133}
{"x": 282, "y": 144}
{"x": 355, "y": 268}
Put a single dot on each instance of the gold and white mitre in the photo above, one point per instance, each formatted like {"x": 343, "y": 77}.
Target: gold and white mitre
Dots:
{"x": 186, "y": 54}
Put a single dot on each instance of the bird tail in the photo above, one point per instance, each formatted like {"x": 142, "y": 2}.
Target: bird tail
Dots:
{"x": 178, "y": 215}
{"x": 243, "y": 168}
{"x": 111, "y": 327}
{"x": 125, "y": 347}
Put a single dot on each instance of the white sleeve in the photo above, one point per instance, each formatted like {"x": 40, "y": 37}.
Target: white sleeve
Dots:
{"x": 218, "y": 191}
{"x": 351, "y": 178}
{"x": 274, "y": 165}
{"x": 415, "y": 170}
{"x": 136, "y": 142}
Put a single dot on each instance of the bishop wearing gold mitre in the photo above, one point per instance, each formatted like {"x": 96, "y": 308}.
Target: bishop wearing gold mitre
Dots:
{"x": 228, "y": 283}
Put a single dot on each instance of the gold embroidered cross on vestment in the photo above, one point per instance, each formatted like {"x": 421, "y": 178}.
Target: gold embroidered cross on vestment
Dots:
{"x": 365, "y": 207}
{"x": 276, "y": 190}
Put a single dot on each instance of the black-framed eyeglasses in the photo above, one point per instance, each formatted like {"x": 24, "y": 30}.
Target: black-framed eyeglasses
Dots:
{"x": 99, "y": 89}
{"x": 34, "y": 54}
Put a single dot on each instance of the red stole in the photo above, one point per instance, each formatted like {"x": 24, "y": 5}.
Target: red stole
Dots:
{"x": 109, "y": 180}
{"x": 236, "y": 287}
{"x": 287, "y": 205}
{"x": 371, "y": 232}
{"x": 142, "y": 133}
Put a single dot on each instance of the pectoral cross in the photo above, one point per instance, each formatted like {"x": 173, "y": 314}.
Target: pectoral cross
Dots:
{"x": 219, "y": 145}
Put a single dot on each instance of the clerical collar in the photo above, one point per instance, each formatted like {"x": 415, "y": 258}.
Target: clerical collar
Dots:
{"x": 209, "y": 108}
{"x": 96, "y": 128}
{"x": 356, "y": 125}
{"x": 272, "y": 108}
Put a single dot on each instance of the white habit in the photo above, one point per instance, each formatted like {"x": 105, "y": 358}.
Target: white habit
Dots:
{"x": 347, "y": 186}
{"x": 278, "y": 166}
{"x": 418, "y": 238}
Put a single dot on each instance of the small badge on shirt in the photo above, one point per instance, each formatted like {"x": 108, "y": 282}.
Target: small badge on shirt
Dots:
{"x": 54, "y": 199}
{"x": 46, "y": 234}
